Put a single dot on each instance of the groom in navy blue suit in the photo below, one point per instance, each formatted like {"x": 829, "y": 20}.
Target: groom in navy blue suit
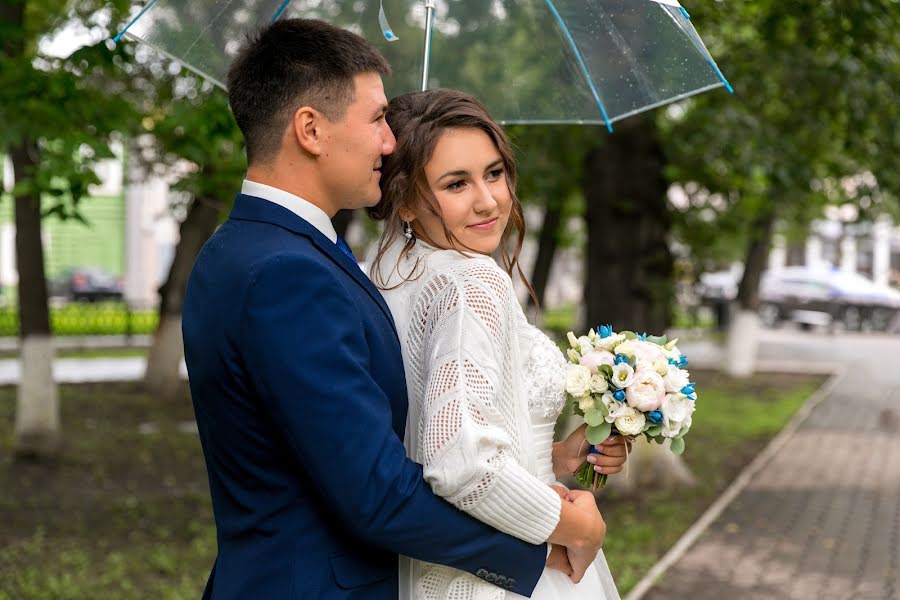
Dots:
{"x": 295, "y": 367}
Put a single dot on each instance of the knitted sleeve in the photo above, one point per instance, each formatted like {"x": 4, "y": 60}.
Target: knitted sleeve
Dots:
{"x": 462, "y": 336}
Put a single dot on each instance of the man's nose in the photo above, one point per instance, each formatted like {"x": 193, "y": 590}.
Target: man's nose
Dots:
{"x": 389, "y": 143}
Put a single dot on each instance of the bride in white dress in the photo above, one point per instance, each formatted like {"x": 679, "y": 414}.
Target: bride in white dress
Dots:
{"x": 485, "y": 387}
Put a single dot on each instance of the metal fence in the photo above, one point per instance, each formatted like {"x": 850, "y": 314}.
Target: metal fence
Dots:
{"x": 88, "y": 319}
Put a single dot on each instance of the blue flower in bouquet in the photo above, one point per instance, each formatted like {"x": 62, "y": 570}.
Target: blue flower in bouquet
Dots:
{"x": 643, "y": 337}
{"x": 604, "y": 331}
{"x": 619, "y": 395}
{"x": 621, "y": 359}
{"x": 655, "y": 417}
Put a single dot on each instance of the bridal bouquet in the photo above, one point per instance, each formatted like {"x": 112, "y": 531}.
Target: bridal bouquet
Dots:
{"x": 628, "y": 384}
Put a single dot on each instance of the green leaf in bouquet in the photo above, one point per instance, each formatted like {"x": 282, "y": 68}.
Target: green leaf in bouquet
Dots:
{"x": 657, "y": 339}
{"x": 629, "y": 335}
{"x": 632, "y": 360}
{"x": 654, "y": 430}
{"x": 597, "y": 434}
{"x": 601, "y": 406}
{"x": 606, "y": 370}
{"x": 593, "y": 417}
{"x": 658, "y": 440}
{"x": 677, "y": 446}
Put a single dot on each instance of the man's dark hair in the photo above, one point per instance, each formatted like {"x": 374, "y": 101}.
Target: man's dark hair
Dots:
{"x": 294, "y": 63}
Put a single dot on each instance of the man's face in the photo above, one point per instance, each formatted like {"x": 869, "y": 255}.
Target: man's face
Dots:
{"x": 355, "y": 145}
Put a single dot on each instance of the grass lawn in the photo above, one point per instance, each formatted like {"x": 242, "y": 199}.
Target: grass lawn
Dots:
{"x": 125, "y": 513}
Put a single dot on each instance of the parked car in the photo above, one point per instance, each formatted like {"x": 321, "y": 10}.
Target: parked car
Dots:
{"x": 88, "y": 284}
{"x": 812, "y": 296}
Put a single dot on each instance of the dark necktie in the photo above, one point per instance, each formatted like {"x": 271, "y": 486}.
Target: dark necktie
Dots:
{"x": 345, "y": 248}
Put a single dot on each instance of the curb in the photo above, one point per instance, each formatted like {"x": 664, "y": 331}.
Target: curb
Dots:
{"x": 680, "y": 548}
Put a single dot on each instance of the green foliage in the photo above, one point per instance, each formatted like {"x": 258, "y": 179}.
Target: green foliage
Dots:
{"x": 67, "y": 106}
{"x": 815, "y": 101}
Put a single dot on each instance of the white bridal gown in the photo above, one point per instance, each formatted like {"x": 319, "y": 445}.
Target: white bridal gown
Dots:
{"x": 485, "y": 390}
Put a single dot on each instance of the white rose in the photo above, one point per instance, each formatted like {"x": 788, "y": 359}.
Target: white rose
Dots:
{"x": 676, "y": 410}
{"x": 578, "y": 381}
{"x": 676, "y": 379}
{"x": 608, "y": 343}
{"x": 616, "y": 409}
{"x": 598, "y": 384}
{"x": 586, "y": 403}
{"x": 647, "y": 392}
{"x": 593, "y": 359}
{"x": 648, "y": 354}
{"x": 623, "y": 375}
{"x": 626, "y": 347}
{"x": 585, "y": 344}
{"x": 631, "y": 423}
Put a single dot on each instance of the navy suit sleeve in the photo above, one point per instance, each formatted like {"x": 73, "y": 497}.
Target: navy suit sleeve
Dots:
{"x": 309, "y": 361}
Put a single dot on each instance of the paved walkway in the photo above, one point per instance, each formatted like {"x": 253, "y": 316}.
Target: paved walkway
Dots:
{"x": 822, "y": 519}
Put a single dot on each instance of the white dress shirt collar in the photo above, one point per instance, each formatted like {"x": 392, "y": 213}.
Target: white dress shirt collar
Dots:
{"x": 304, "y": 209}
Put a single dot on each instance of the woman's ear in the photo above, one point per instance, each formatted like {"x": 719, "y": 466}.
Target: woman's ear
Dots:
{"x": 407, "y": 215}
{"x": 308, "y": 129}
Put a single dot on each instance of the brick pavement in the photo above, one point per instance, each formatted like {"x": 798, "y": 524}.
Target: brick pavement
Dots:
{"x": 822, "y": 519}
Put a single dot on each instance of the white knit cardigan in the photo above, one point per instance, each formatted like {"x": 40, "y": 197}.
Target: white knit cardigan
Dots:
{"x": 462, "y": 332}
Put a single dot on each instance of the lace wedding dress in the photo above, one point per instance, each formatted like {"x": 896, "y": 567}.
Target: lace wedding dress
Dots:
{"x": 485, "y": 390}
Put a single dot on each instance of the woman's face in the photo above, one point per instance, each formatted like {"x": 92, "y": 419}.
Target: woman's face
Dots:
{"x": 467, "y": 175}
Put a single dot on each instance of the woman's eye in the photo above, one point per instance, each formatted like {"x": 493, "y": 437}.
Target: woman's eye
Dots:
{"x": 495, "y": 174}
{"x": 456, "y": 185}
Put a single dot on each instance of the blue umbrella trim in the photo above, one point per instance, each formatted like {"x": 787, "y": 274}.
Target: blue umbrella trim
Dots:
{"x": 584, "y": 69}
{"x": 280, "y": 10}
{"x": 134, "y": 20}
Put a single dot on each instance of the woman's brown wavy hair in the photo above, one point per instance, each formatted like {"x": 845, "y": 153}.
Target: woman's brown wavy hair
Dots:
{"x": 418, "y": 120}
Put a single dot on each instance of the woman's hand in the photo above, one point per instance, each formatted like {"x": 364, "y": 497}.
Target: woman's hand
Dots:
{"x": 558, "y": 559}
{"x": 569, "y": 454}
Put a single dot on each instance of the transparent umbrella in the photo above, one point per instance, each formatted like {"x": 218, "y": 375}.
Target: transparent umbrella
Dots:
{"x": 530, "y": 61}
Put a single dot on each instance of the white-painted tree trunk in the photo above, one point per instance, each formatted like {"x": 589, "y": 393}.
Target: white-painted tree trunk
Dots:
{"x": 652, "y": 465}
{"x": 37, "y": 429}
{"x": 743, "y": 343}
{"x": 163, "y": 376}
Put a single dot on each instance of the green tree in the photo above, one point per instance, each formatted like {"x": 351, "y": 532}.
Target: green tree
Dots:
{"x": 815, "y": 101}
{"x": 58, "y": 116}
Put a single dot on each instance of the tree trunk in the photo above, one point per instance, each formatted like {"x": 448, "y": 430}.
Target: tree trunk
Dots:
{"x": 628, "y": 281}
{"x": 630, "y": 268}
{"x": 37, "y": 430}
{"x": 743, "y": 334}
{"x": 651, "y": 466}
{"x": 163, "y": 376}
{"x": 548, "y": 242}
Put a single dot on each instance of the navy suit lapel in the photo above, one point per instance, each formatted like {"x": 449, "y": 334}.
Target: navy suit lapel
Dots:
{"x": 250, "y": 208}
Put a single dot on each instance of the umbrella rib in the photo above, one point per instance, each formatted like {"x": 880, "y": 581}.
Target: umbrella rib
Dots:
{"x": 581, "y": 63}
{"x": 148, "y": 6}
{"x": 208, "y": 27}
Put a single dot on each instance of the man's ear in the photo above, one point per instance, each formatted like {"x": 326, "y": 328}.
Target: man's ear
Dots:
{"x": 308, "y": 127}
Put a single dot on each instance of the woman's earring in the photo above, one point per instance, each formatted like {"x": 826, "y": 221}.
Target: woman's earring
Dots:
{"x": 407, "y": 231}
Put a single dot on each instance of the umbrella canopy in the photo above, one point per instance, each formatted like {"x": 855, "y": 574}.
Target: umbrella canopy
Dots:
{"x": 530, "y": 61}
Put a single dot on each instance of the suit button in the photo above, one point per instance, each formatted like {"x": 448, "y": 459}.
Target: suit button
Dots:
{"x": 491, "y": 578}
{"x": 510, "y": 583}
{"x": 501, "y": 580}
{"x": 481, "y": 573}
